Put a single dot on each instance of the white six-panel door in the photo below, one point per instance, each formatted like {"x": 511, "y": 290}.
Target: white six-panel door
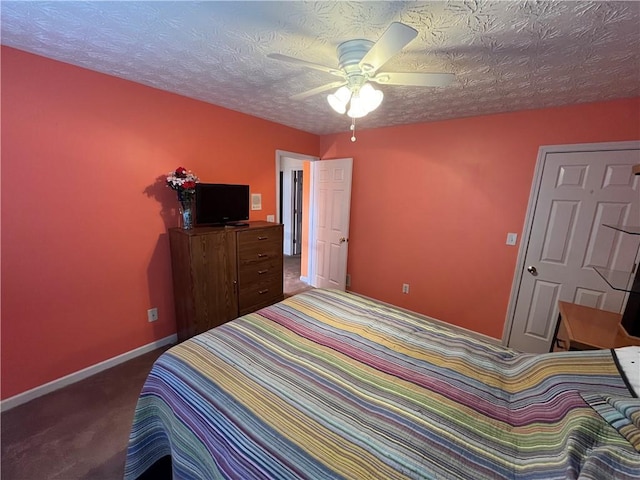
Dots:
{"x": 579, "y": 192}
{"x": 332, "y": 205}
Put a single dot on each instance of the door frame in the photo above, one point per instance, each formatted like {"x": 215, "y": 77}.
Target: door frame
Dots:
{"x": 280, "y": 156}
{"x": 543, "y": 151}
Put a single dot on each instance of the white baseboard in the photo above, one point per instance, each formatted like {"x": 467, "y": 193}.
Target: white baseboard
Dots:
{"x": 305, "y": 280}
{"x": 49, "y": 387}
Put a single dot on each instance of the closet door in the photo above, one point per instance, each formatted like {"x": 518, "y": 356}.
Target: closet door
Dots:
{"x": 579, "y": 192}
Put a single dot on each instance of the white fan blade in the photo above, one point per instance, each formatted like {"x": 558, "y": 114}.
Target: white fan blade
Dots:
{"x": 304, "y": 63}
{"x": 392, "y": 41}
{"x": 316, "y": 90}
{"x": 414, "y": 79}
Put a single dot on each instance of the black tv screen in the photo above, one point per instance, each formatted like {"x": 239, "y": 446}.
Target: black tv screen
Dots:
{"x": 220, "y": 204}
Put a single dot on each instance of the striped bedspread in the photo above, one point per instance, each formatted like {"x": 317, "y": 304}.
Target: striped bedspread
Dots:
{"x": 328, "y": 385}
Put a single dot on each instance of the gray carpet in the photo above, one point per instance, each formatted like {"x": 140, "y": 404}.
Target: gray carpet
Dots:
{"x": 292, "y": 282}
{"x": 78, "y": 432}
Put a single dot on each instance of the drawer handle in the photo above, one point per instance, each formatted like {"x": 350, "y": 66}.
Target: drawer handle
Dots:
{"x": 263, "y": 238}
{"x": 262, "y": 272}
{"x": 262, "y": 292}
{"x": 262, "y": 255}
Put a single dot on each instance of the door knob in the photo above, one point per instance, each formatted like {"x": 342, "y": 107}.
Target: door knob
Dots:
{"x": 342, "y": 240}
{"x": 532, "y": 270}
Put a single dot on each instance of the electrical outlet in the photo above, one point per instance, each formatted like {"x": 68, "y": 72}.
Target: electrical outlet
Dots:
{"x": 512, "y": 238}
{"x": 271, "y": 218}
{"x": 405, "y": 288}
{"x": 152, "y": 314}
{"x": 348, "y": 281}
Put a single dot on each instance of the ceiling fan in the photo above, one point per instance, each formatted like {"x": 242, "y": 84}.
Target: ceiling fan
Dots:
{"x": 359, "y": 63}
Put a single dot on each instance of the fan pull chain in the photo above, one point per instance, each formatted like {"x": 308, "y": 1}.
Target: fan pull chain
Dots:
{"x": 353, "y": 129}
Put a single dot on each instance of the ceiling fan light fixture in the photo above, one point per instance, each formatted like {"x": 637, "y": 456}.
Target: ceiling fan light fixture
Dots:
{"x": 339, "y": 99}
{"x": 365, "y": 101}
{"x": 371, "y": 97}
{"x": 357, "y": 107}
{"x": 359, "y": 62}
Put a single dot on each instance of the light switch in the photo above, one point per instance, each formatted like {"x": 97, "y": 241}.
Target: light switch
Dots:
{"x": 512, "y": 238}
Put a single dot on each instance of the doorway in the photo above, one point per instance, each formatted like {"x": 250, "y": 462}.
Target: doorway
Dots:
{"x": 290, "y": 208}
{"x": 292, "y": 187}
{"x": 323, "y": 223}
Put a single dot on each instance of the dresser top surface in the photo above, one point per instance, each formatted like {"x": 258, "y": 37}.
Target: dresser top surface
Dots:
{"x": 226, "y": 228}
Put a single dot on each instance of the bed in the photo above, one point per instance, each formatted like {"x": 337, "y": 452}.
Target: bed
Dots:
{"x": 328, "y": 384}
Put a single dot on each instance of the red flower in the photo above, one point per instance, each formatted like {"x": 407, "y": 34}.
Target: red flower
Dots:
{"x": 189, "y": 185}
{"x": 181, "y": 172}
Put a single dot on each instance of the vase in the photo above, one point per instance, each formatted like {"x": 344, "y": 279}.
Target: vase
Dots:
{"x": 186, "y": 213}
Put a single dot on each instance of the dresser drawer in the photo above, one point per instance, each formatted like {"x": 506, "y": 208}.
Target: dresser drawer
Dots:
{"x": 260, "y": 294}
{"x": 259, "y": 236}
{"x": 269, "y": 270}
{"x": 259, "y": 245}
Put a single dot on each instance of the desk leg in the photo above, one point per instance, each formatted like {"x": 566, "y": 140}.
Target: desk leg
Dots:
{"x": 555, "y": 333}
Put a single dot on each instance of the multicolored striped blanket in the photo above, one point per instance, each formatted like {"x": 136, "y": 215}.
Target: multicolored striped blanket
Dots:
{"x": 329, "y": 385}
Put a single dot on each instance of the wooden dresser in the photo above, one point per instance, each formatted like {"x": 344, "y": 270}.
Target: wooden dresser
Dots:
{"x": 220, "y": 273}
{"x": 586, "y": 328}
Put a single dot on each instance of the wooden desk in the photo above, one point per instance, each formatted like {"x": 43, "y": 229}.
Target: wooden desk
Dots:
{"x": 586, "y": 328}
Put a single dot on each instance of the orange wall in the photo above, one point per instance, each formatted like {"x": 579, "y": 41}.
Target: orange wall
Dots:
{"x": 432, "y": 204}
{"x": 85, "y": 210}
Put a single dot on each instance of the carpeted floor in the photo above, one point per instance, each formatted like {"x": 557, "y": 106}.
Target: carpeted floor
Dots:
{"x": 292, "y": 282}
{"x": 82, "y": 431}
{"x": 78, "y": 432}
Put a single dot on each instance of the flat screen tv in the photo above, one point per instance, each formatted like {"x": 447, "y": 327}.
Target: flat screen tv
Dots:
{"x": 221, "y": 204}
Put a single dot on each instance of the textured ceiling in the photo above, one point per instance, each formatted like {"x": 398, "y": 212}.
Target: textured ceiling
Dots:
{"x": 506, "y": 55}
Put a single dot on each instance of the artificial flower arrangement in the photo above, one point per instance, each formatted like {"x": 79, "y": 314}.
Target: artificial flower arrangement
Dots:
{"x": 184, "y": 182}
